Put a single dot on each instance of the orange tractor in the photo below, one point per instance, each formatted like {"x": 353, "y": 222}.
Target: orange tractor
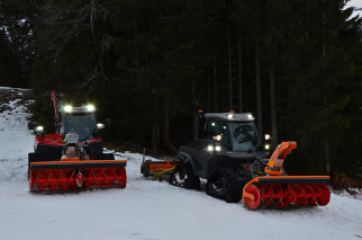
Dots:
{"x": 73, "y": 157}
{"x": 231, "y": 156}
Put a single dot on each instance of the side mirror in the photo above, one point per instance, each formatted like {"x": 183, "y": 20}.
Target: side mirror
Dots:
{"x": 100, "y": 126}
{"x": 107, "y": 122}
{"x": 31, "y": 126}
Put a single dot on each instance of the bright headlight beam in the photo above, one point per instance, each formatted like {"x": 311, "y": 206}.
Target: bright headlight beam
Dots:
{"x": 210, "y": 148}
{"x": 68, "y": 108}
{"x": 39, "y": 128}
{"x": 90, "y": 108}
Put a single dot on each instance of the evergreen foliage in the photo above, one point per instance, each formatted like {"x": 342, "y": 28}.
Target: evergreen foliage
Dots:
{"x": 150, "y": 65}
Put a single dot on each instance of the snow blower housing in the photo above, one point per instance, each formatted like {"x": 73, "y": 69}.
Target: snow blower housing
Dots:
{"x": 73, "y": 157}
{"x": 231, "y": 156}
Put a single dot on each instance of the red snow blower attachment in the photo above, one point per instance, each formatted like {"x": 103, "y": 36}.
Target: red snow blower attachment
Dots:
{"x": 73, "y": 158}
{"x": 270, "y": 188}
{"x": 75, "y": 170}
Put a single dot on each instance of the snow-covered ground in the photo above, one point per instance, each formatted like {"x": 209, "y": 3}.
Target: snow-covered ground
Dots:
{"x": 146, "y": 209}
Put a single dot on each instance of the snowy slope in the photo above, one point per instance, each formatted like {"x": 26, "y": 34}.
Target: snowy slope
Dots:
{"x": 146, "y": 209}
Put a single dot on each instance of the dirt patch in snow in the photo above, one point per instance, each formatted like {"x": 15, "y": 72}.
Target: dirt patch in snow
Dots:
{"x": 11, "y": 98}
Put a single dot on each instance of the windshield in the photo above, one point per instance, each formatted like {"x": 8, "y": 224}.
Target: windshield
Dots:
{"x": 218, "y": 128}
{"x": 82, "y": 124}
{"x": 243, "y": 136}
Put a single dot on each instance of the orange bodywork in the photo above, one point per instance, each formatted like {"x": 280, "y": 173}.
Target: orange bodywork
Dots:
{"x": 71, "y": 160}
{"x": 161, "y": 166}
{"x": 63, "y": 174}
{"x": 157, "y": 168}
{"x": 275, "y": 164}
{"x": 278, "y": 180}
{"x": 273, "y": 189}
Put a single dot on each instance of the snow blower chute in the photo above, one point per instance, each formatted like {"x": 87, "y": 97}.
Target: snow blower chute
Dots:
{"x": 73, "y": 157}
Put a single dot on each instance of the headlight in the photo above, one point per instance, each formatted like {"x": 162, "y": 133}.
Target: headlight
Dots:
{"x": 210, "y": 148}
{"x": 100, "y": 125}
{"x": 39, "y": 129}
{"x": 267, "y": 146}
{"x": 68, "y": 108}
{"x": 217, "y": 148}
{"x": 90, "y": 108}
{"x": 250, "y": 116}
{"x": 230, "y": 116}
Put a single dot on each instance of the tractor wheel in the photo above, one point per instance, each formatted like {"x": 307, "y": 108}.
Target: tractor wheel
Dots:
{"x": 146, "y": 168}
{"x": 223, "y": 184}
{"x": 105, "y": 156}
{"x": 31, "y": 158}
{"x": 35, "y": 157}
{"x": 183, "y": 176}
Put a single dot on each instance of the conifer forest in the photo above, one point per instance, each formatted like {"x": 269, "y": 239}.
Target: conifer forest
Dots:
{"x": 151, "y": 65}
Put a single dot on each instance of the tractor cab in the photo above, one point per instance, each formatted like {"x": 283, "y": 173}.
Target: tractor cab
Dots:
{"x": 234, "y": 132}
{"x": 80, "y": 120}
{"x": 225, "y": 140}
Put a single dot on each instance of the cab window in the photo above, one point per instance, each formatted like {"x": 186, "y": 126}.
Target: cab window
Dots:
{"x": 218, "y": 128}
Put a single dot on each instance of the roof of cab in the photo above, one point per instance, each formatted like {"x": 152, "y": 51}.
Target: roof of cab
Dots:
{"x": 231, "y": 116}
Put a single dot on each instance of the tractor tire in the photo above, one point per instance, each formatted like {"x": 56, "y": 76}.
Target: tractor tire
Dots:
{"x": 146, "y": 169}
{"x": 35, "y": 157}
{"x": 105, "y": 156}
{"x": 183, "y": 176}
{"x": 223, "y": 184}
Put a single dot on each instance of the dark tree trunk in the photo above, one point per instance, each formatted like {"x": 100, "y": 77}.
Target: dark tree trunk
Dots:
{"x": 215, "y": 80}
{"x": 257, "y": 73}
{"x": 230, "y": 77}
{"x": 240, "y": 75}
{"x": 195, "y": 119}
{"x": 274, "y": 132}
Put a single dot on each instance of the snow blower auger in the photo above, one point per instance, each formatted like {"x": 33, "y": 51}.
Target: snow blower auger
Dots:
{"x": 73, "y": 157}
{"x": 270, "y": 188}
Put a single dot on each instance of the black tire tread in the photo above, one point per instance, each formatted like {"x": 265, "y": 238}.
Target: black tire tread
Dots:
{"x": 146, "y": 168}
{"x": 193, "y": 182}
{"x": 35, "y": 157}
{"x": 233, "y": 192}
{"x": 105, "y": 156}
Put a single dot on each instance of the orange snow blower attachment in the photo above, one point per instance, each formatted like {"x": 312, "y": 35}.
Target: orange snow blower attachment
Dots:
{"x": 272, "y": 189}
{"x": 75, "y": 170}
{"x": 77, "y": 174}
{"x": 157, "y": 168}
